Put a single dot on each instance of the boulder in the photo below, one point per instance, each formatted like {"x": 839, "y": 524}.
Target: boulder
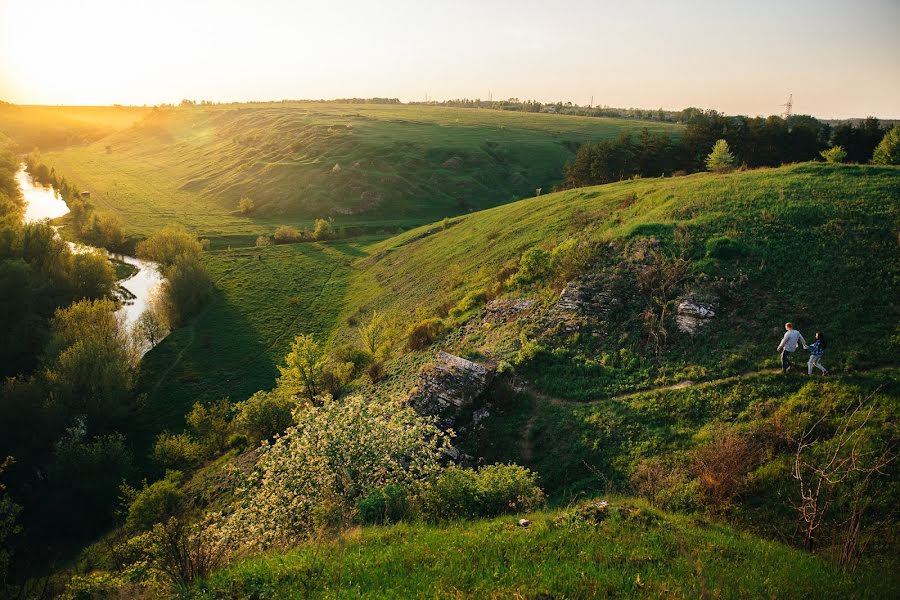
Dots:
{"x": 692, "y": 314}
{"x": 449, "y": 386}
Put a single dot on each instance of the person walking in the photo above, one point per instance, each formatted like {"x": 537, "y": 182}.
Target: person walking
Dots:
{"x": 788, "y": 346}
{"x": 816, "y": 352}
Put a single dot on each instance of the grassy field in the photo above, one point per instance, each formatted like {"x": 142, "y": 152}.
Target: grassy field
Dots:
{"x": 360, "y": 164}
{"x": 263, "y": 298}
{"x": 652, "y": 555}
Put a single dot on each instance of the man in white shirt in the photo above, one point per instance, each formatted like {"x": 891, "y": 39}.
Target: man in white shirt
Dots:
{"x": 788, "y": 345}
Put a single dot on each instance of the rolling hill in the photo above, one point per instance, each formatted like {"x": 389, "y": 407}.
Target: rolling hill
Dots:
{"x": 360, "y": 164}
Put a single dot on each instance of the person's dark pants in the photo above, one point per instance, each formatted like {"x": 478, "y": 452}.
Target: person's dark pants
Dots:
{"x": 786, "y": 360}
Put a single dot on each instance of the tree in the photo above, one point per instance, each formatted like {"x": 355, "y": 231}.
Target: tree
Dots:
{"x": 149, "y": 329}
{"x": 210, "y": 424}
{"x": 90, "y": 358}
{"x": 92, "y": 275}
{"x": 323, "y": 230}
{"x": 835, "y": 154}
{"x": 8, "y": 512}
{"x": 720, "y": 159}
{"x": 246, "y": 206}
{"x": 304, "y": 369}
{"x": 888, "y": 150}
{"x": 168, "y": 244}
{"x": 310, "y": 373}
{"x": 185, "y": 288}
{"x": 264, "y": 414}
{"x": 374, "y": 335}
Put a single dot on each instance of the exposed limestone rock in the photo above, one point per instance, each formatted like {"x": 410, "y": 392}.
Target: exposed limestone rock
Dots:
{"x": 505, "y": 311}
{"x": 692, "y": 314}
{"x": 448, "y": 386}
{"x": 584, "y": 301}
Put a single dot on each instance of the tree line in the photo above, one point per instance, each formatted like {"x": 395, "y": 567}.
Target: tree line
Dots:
{"x": 753, "y": 142}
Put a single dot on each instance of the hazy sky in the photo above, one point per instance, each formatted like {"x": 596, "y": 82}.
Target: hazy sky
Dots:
{"x": 838, "y": 58}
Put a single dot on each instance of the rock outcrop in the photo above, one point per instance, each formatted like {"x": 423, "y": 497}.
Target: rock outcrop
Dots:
{"x": 505, "y": 311}
{"x": 585, "y": 301}
{"x": 448, "y": 387}
{"x": 692, "y": 314}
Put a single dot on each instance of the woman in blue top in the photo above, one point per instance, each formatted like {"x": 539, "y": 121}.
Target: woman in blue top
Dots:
{"x": 816, "y": 352}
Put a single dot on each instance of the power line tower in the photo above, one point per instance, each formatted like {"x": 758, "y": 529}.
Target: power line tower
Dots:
{"x": 788, "y": 107}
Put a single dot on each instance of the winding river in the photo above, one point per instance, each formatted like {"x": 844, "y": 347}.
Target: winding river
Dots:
{"x": 42, "y": 202}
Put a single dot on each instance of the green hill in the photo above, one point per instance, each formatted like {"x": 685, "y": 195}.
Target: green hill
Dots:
{"x": 299, "y": 161}
{"x": 803, "y": 236}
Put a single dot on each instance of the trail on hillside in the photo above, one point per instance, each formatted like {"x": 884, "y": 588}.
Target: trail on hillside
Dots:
{"x": 681, "y": 385}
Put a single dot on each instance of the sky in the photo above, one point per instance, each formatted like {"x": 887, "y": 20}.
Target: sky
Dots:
{"x": 838, "y": 58}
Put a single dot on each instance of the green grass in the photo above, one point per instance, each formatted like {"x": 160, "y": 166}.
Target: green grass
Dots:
{"x": 398, "y": 165}
{"x": 263, "y": 298}
{"x": 659, "y": 556}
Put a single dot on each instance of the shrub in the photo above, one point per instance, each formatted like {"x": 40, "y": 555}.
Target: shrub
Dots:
{"x": 534, "y": 265}
{"x": 724, "y": 247}
{"x": 155, "y": 503}
{"x": 453, "y": 495}
{"x": 178, "y": 452}
{"x": 375, "y": 371}
{"x": 469, "y": 302}
{"x": 422, "y": 334}
{"x": 508, "y": 489}
{"x": 263, "y": 241}
{"x": 722, "y": 466}
{"x": 263, "y": 415}
{"x": 835, "y": 154}
{"x": 493, "y": 490}
{"x": 285, "y": 234}
{"x": 246, "y": 206}
{"x": 184, "y": 553}
{"x": 386, "y": 505}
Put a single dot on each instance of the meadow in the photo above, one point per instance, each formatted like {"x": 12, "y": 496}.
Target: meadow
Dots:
{"x": 370, "y": 165}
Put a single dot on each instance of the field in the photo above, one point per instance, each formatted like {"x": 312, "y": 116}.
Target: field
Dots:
{"x": 359, "y": 164}
{"x": 653, "y": 555}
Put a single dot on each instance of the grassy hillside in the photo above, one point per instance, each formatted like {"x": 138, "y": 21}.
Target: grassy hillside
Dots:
{"x": 808, "y": 232}
{"x": 357, "y": 163}
{"x": 811, "y": 243}
{"x": 263, "y": 298}
{"x": 636, "y": 553}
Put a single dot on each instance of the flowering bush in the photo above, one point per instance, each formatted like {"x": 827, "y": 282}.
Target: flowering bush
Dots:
{"x": 334, "y": 456}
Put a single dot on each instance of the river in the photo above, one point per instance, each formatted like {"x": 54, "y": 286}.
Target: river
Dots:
{"x": 42, "y": 202}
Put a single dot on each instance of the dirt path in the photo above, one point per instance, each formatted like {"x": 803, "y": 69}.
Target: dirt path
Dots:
{"x": 682, "y": 385}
